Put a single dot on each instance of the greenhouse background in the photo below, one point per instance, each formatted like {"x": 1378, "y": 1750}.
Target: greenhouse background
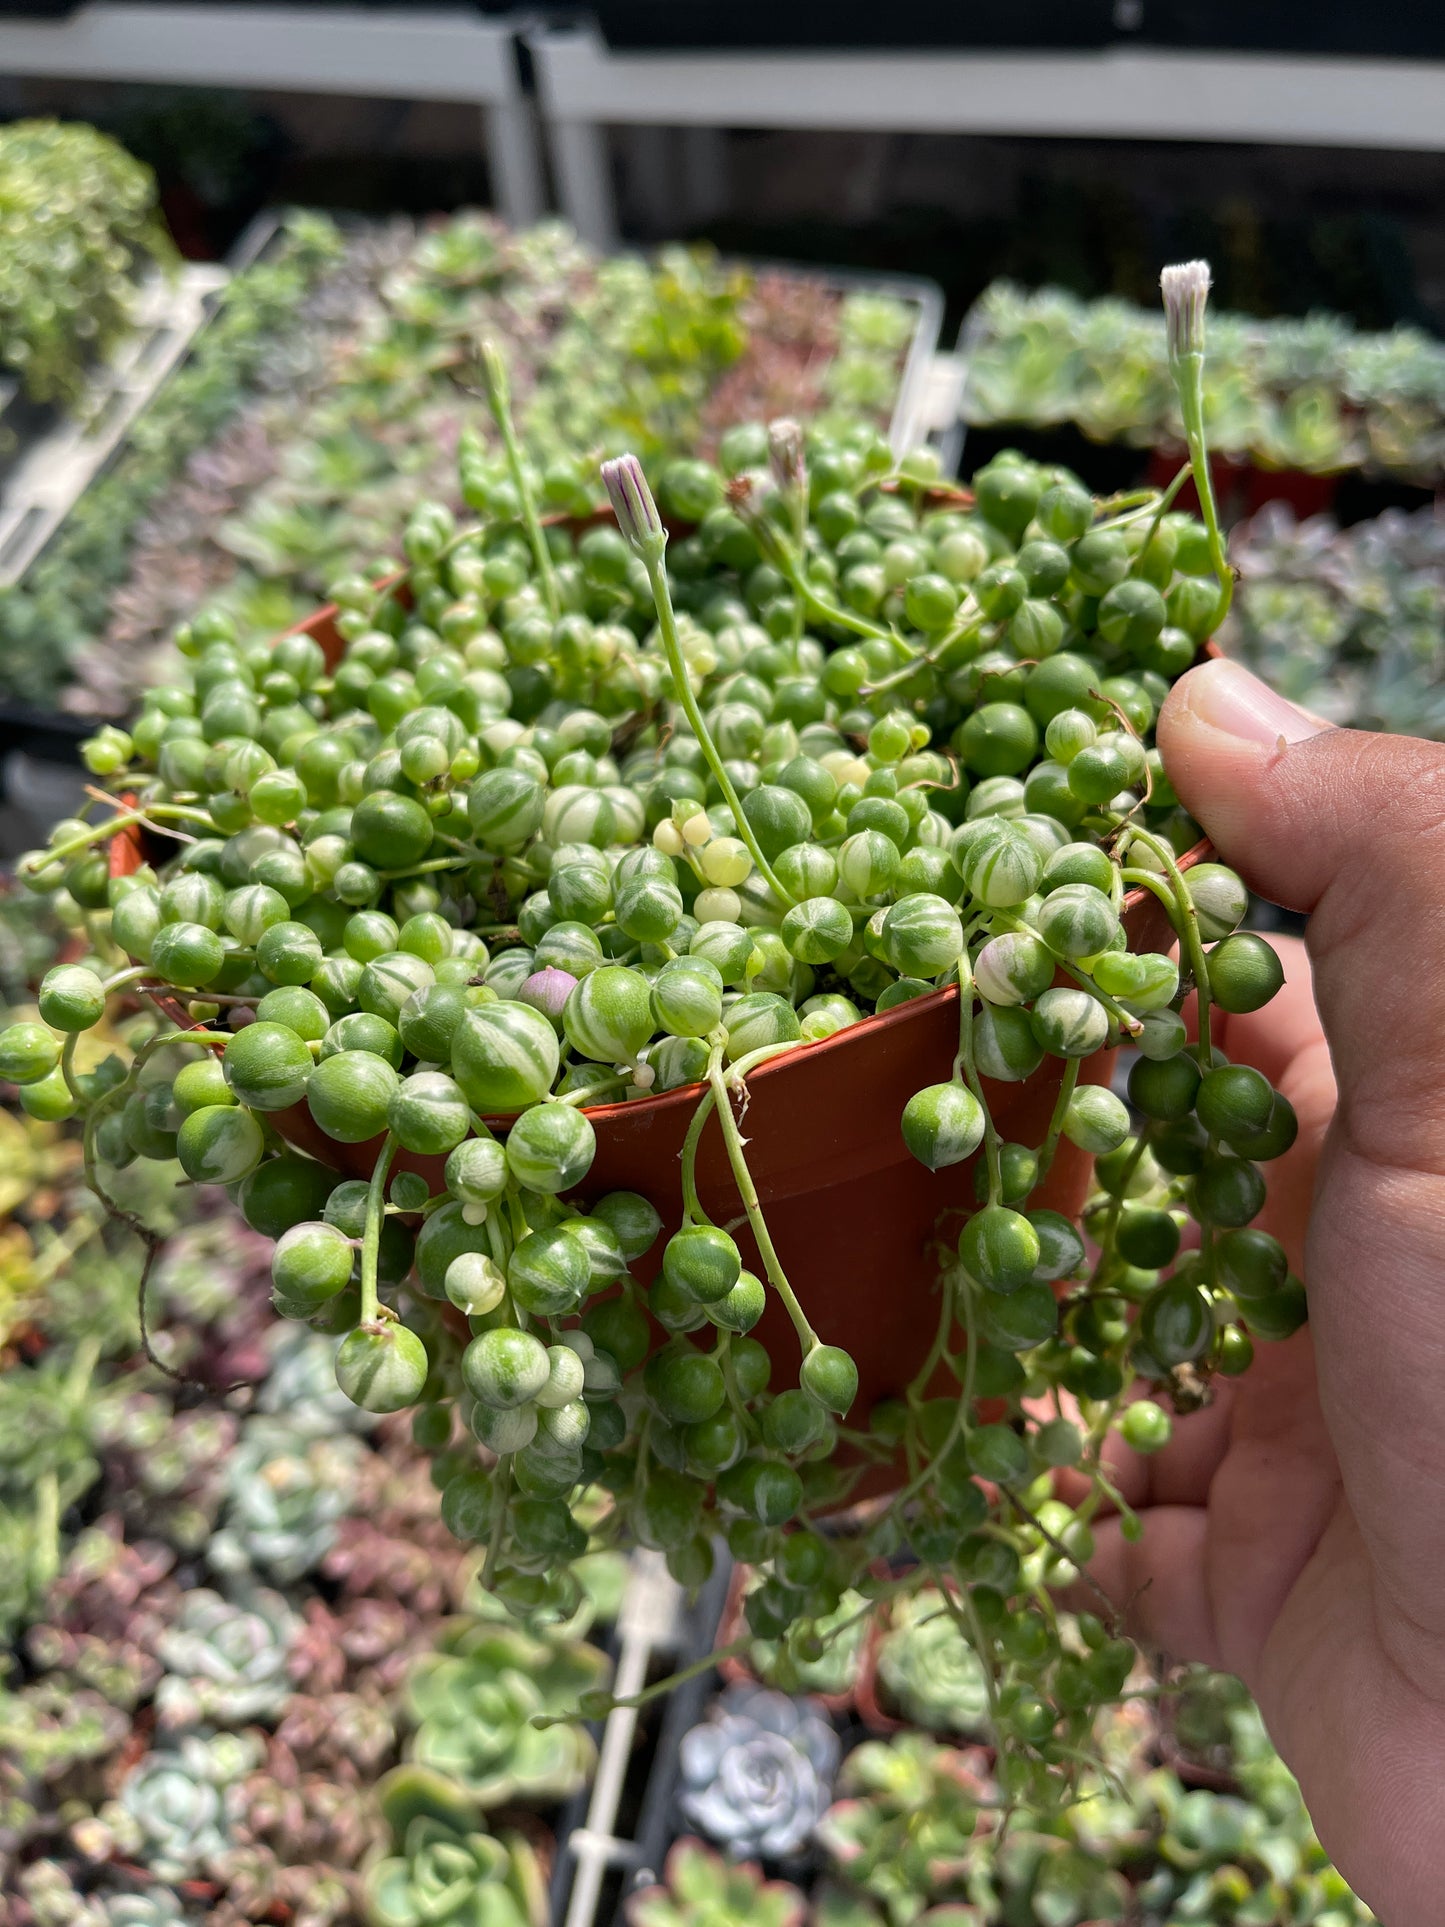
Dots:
{"x": 249, "y": 257}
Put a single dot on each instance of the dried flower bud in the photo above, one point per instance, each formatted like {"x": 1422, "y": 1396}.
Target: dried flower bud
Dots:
{"x": 1186, "y": 290}
{"x": 632, "y": 504}
{"x": 785, "y": 454}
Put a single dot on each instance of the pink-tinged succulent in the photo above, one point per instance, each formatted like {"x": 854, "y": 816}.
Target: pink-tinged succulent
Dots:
{"x": 700, "y": 1889}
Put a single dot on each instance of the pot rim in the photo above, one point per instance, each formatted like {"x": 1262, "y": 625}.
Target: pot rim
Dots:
{"x": 686, "y": 1095}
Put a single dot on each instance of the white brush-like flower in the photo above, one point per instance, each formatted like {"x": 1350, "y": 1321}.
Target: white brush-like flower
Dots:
{"x": 785, "y": 454}
{"x": 1185, "y": 288}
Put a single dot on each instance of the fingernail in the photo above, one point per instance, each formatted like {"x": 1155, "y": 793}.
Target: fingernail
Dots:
{"x": 1224, "y": 695}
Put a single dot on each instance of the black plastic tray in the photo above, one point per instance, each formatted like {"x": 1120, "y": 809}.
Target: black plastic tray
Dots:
{"x": 1391, "y": 29}
{"x": 845, "y": 24}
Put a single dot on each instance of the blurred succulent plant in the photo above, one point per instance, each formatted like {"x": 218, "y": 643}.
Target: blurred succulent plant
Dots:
{"x": 757, "y": 1774}
{"x": 920, "y": 1834}
{"x": 298, "y": 1841}
{"x": 392, "y": 1546}
{"x": 905, "y": 1831}
{"x": 45, "y": 1895}
{"x": 1307, "y": 394}
{"x": 47, "y": 1461}
{"x": 300, "y": 1385}
{"x": 51, "y": 621}
{"x": 285, "y": 1491}
{"x": 50, "y": 1735}
{"x": 181, "y": 1802}
{"x": 1036, "y": 1876}
{"x": 444, "y": 1869}
{"x": 156, "y": 1907}
{"x": 700, "y": 1889}
{"x": 80, "y": 225}
{"x": 166, "y": 1467}
{"x": 472, "y": 1701}
{"x": 354, "y": 1727}
{"x": 929, "y": 1670}
{"x": 1350, "y": 622}
{"x": 825, "y": 1659}
{"x": 226, "y": 1659}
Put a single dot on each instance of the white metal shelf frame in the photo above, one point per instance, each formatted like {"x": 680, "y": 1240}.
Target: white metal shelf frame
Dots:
{"x": 393, "y": 53}
{"x": 1124, "y": 93}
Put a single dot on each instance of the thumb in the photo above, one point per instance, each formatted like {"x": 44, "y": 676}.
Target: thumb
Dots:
{"x": 1350, "y": 827}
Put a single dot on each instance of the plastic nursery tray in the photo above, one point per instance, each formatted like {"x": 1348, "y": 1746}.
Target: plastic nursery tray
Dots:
{"x": 45, "y": 484}
{"x": 23, "y": 423}
{"x": 612, "y": 1837}
{"x": 916, "y": 404}
{"x": 912, "y": 418}
{"x": 1103, "y": 467}
{"x": 53, "y": 474}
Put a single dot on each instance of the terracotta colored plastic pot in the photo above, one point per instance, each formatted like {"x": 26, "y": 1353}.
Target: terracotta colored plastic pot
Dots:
{"x": 853, "y": 1215}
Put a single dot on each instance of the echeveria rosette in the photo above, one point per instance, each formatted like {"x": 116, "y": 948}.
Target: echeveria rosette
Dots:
{"x": 757, "y": 1774}
{"x": 226, "y": 1660}
{"x": 444, "y": 1869}
{"x": 182, "y": 1802}
{"x": 700, "y": 1888}
{"x": 472, "y": 1702}
{"x": 929, "y": 1671}
{"x": 285, "y": 1493}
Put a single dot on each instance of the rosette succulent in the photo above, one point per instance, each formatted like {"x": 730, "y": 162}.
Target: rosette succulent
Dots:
{"x": 226, "y": 1659}
{"x": 474, "y": 1698}
{"x": 825, "y": 1657}
{"x": 700, "y": 1889}
{"x": 757, "y": 1774}
{"x": 928, "y": 1669}
{"x": 180, "y": 1802}
{"x": 904, "y": 1832}
{"x": 285, "y": 1492}
{"x": 445, "y": 1870}
{"x": 300, "y": 1386}
{"x": 1350, "y": 622}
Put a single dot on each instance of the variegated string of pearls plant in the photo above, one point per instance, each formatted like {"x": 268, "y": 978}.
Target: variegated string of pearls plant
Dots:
{"x": 561, "y": 825}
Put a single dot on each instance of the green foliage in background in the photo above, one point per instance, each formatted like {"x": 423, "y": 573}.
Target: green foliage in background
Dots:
{"x": 63, "y": 603}
{"x": 1308, "y": 394}
{"x": 1350, "y": 622}
{"x": 78, "y": 226}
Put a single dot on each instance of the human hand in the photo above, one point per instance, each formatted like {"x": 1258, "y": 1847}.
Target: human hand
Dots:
{"x": 1295, "y": 1531}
